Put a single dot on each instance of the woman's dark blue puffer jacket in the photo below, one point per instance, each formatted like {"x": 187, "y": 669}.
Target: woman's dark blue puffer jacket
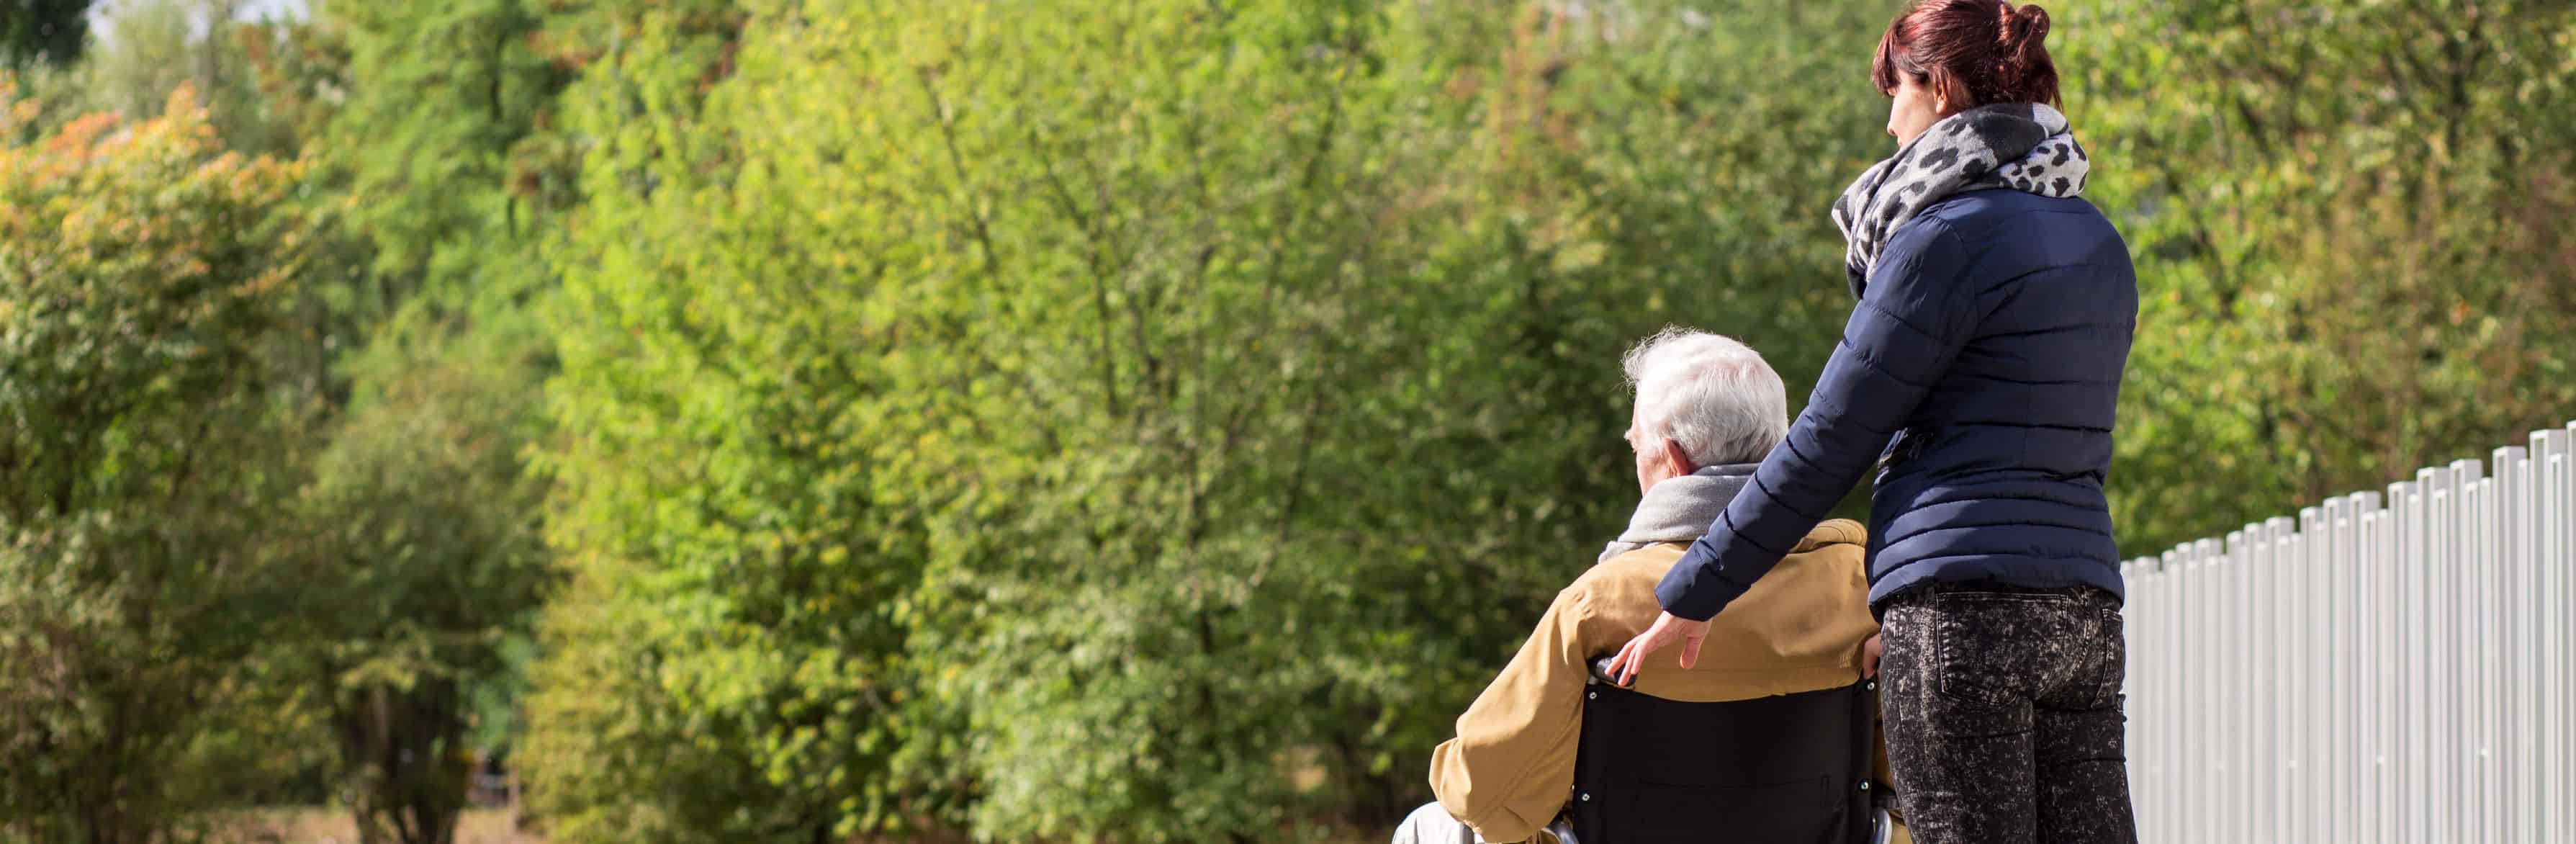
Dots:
{"x": 1979, "y": 372}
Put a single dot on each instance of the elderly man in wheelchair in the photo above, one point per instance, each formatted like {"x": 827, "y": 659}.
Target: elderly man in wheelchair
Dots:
{"x": 1770, "y": 736}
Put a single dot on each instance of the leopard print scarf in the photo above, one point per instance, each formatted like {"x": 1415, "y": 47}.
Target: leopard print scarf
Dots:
{"x": 2023, "y": 146}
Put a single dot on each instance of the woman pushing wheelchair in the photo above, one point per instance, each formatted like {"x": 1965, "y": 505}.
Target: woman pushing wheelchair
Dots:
{"x": 1978, "y": 373}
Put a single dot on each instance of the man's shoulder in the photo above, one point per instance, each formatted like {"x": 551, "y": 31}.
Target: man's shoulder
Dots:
{"x": 1648, "y": 564}
{"x": 1832, "y": 532}
{"x": 1660, "y": 553}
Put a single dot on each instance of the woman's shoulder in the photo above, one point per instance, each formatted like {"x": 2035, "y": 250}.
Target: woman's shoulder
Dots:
{"x": 1983, "y": 211}
{"x": 1996, "y": 239}
{"x": 2055, "y": 229}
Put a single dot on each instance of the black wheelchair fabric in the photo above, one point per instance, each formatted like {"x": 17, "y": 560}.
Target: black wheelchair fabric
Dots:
{"x": 1787, "y": 769}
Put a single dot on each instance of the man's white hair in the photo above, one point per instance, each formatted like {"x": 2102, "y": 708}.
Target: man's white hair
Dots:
{"x": 1711, "y": 394}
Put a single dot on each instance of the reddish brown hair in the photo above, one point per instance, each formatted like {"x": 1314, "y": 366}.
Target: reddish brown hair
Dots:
{"x": 1972, "y": 52}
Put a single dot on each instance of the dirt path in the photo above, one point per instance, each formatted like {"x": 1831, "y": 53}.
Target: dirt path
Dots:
{"x": 322, "y": 825}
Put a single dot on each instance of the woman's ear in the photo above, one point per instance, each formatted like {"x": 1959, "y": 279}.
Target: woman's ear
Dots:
{"x": 1948, "y": 95}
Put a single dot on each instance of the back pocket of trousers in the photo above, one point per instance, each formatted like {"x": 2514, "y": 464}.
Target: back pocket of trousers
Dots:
{"x": 1994, "y": 647}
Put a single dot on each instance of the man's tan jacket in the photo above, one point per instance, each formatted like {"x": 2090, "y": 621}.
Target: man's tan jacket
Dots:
{"x": 1800, "y": 629}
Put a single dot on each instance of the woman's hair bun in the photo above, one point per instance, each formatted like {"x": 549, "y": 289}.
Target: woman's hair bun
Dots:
{"x": 2023, "y": 70}
{"x": 2024, "y": 24}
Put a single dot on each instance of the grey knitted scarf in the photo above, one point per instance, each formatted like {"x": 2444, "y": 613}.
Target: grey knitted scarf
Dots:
{"x": 2023, "y": 146}
{"x": 1681, "y": 509}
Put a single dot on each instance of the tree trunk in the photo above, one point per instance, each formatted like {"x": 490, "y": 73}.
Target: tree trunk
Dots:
{"x": 407, "y": 772}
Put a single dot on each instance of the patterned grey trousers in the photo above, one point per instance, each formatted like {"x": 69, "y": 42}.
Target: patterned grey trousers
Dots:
{"x": 2003, "y": 716}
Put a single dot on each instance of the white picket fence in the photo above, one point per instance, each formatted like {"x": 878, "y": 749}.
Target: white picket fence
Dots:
{"x": 2390, "y": 667}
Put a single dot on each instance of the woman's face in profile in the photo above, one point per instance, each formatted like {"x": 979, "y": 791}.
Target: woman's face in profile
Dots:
{"x": 1914, "y": 108}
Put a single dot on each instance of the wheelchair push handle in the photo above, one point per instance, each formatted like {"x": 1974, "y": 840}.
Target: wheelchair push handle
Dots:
{"x": 1602, "y": 674}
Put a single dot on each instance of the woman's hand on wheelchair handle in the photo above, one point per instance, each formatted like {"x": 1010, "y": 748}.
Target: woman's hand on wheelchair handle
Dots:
{"x": 1667, "y": 627}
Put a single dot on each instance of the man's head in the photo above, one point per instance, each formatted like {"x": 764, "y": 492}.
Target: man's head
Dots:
{"x": 1702, "y": 400}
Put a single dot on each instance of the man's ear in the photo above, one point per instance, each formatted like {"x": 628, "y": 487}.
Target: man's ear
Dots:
{"x": 1676, "y": 459}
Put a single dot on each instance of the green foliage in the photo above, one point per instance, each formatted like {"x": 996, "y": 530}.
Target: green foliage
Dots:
{"x": 143, "y": 277}
{"x": 1145, "y": 428}
{"x": 441, "y": 176}
{"x": 439, "y": 166}
{"x": 422, "y": 531}
{"x": 716, "y": 670}
{"x": 1224, "y": 406}
{"x": 42, "y": 32}
{"x": 2350, "y": 225}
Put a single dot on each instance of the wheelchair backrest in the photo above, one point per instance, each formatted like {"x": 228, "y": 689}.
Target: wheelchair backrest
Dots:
{"x": 1791, "y": 769}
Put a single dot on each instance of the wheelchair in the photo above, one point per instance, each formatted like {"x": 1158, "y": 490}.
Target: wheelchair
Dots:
{"x": 1789, "y": 769}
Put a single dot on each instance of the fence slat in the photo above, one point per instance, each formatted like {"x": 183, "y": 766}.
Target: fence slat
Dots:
{"x": 2549, "y": 452}
{"x": 2338, "y": 758}
{"x": 2441, "y": 602}
{"x": 2373, "y": 570}
{"x": 2556, "y": 565}
{"x": 2285, "y": 582}
{"x": 2238, "y": 605}
{"x": 2513, "y": 616}
{"x": 2477, "y": 502}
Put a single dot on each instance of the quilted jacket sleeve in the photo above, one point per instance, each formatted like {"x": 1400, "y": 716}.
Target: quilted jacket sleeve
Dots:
{"x": 1914, "y": 314}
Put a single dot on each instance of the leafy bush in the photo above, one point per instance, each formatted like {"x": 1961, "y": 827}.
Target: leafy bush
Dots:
{"x": 143, "y": 275}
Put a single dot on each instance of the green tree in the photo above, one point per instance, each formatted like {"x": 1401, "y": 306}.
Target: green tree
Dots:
{"x": 410, "y": 323}
{"x": 143, "y": 277}
{"x": 2349, "y": 226}
{"x": 450, "y": 174}
{"x": 421, "y": 529}
{"x": 444, "y": 177}
{"x": 1320, "y": 482}
{"x": 715, "y": 670}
